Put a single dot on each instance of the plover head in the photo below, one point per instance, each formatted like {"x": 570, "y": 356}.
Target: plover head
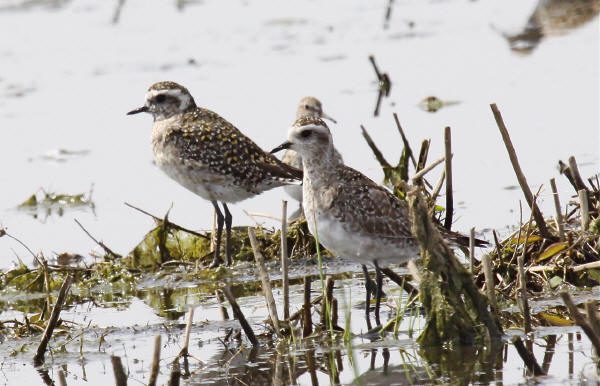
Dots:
{"x": 166, "y": 99}
{"x": 310, "y": 137}
{"x": 311, "y": 107}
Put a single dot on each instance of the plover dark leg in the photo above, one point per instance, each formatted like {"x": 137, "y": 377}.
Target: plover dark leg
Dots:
{"x": 368, "y": 296}
{"x": 220, "y": 220}
{"x": 379, "y": 279}
{"x": 227, "y": 234}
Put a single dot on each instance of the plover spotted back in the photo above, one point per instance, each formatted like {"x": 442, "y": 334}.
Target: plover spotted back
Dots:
{"x": 352, "y": 215}
{"x": 208, "y": 155}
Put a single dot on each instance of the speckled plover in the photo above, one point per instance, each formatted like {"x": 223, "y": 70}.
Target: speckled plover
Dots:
{"x": 208, "y": 155}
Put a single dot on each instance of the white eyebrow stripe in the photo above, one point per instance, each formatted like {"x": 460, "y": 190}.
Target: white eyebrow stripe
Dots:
{"x": 184, "y": 98}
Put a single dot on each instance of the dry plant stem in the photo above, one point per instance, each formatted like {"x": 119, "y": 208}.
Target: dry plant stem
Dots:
{"x": 188, "y": 330}
{"x": 266, "y": 282}
{"x": 100, "y": 243}
{"x": 586, "y": 266}
{"x": 213, "y": 232}
{"x": 423, "y": 154}
{"x": 404, "y": 284}
{"x": 539, "y": 218}
{"x": 237, "y": 313}
{"x": 438, "y": 186}
{"x": 584, "y": 210}
{"x": 560, "y": 221}
{"x": 592, "y": 316}
{"x": 38, "y": 359}
{"x": 404, "y": 140}
{"x": 448, "y": 157}
{"x": 327, "y": 300}
{"x": 378, "y": 155}
{"x": 62, "y": 380}
{"x": 523, "y": 296}
{"x": 528, "y": 357}
{"x": 221, "y": 300}
{"x": 426, "y": 170}
{"x": 175, "y": 375}
{"x": 471, "y": 249}
{"x": 120, "y": 376}
{"x": 155, "y": 362}
{"x": 489, "y": 283}
{"x": 574, "y": 171}
{"x": 307, "y": 328}
{"x": 581, "y": 321}
{"x": 159, "y": 220}
{"x": 334, "y": 312}
{"x": 284, "y": 262}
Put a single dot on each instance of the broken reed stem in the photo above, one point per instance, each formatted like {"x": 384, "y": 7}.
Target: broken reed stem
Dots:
{"x": 307, "y": 328}
{"x": 213, "y": 232}
{"x": 188, "y": 330}
{"x": 326, "y": 303}
{"x": 438, "y": 186}
{"x": 404, "y": 140}
{"x": 120, "y": 376}
{"x": 581, "y": 321}
{"x": 539, "y": 218}
{"x": 175, "y": 375}
{"x": 284, "y": 262}
{"x": 590, "y": 309}
{"x": 448, "y": 159}
{"x": 560, "y": 222}
{"x": 175, "y": 226}
{"x": 584, "y": 210}
{"x": 472, "y": 250}
{"x": 38, "y": 359}
{"x": 266, "y": 282}
{"x": 100, "y": 243}
{"x": 334, "y": 312}
{"x": 372, "y": 60}
{"x": 523, "y": 295}
{"x": 528, "y": 357}
{"x": 237, "y": 313}
{"x": 221, "y": 300}
{"x": 574, "y": 171}
{"x": 426, "y": 170}
{"x": 404, "y": 284}
{"x": 155, "y": 362}
{"x": 423, "y": 154}
{"x": 62, "y": 379}
{"x": 378, "y": 155}
{"x": 490, "y": 283}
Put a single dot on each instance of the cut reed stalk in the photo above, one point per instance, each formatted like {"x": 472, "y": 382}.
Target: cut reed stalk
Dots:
{"x": 266, "y": 282}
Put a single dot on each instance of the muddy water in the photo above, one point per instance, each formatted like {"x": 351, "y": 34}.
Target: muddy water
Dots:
{"x": 69, "y": 71}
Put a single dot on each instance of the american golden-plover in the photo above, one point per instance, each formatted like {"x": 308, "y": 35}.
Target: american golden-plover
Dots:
{"x": 308, "y": 107}
{"x": 208, "y": 155}
{"x": 351, "y": 215}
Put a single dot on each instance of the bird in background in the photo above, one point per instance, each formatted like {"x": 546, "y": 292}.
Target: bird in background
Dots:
{"x": 208, "y": 155}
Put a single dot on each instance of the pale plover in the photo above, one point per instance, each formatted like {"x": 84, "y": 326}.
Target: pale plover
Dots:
{"x": 208, "y": 155}
{"x": 354, "y": 217}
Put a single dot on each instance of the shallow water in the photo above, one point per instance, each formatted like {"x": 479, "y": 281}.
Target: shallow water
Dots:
{"x": 251, "y": 62}
{"x": 68, "y": 75}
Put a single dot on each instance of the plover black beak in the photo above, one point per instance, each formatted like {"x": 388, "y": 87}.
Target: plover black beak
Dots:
{"x": 283, "y": 146}
{"x": 142, "y": 109}
{"x": 323, "y": 115}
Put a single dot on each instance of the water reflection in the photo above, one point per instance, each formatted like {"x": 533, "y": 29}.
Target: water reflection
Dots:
{"x": 552, "y": 17}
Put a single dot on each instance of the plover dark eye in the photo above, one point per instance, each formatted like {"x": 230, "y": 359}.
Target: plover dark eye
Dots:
{"x": 305, "y": 133}
{"x": 160, "y": 98}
